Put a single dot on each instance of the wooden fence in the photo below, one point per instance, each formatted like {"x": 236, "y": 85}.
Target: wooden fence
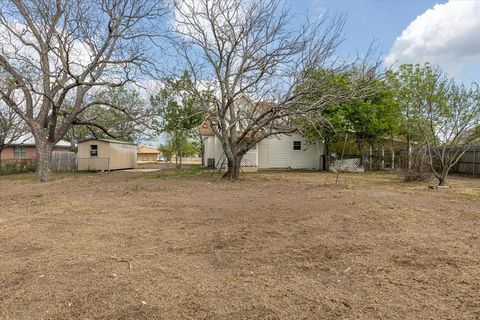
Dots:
{"x": 62, "y": 161}
{"x": 469, "y": 163}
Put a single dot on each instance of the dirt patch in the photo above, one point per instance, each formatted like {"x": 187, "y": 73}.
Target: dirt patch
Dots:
{"x": 275, "y": 245}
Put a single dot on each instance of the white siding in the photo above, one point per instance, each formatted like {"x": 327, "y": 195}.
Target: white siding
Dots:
{"x": 277, "y": 153}
{"x": 213, "y": 149}
{"x": 263, "y": 154}
{"x": 272, "y": 153}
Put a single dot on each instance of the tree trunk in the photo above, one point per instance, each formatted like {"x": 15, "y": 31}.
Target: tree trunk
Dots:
{"x": 383, "y": 158}
{"x": 361, "y": 151}
{"x": 409, "y": 153}
{"x": 73, "y": 139}
{"x": 233, "y": 172}
{"x": 393, "y": 152}
{"x": 44, "y": 161}
{"x": 327, "y": 154}
{"x": 442, "y": 181}
{"x": 442, "y": 177}
{"x": 370, "y": 157}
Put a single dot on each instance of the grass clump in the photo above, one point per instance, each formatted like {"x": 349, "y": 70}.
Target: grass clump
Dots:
{"x": 179, "y": 173}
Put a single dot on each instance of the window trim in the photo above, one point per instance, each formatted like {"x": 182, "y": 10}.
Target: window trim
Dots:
{"x": 19, "y": 152}
{"x": 297, "y": 145}
{"x": 93, "y": 150}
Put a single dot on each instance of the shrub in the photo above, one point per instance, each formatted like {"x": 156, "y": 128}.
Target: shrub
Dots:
{"x": 417, "y": 175}
{"x": 17, "y": 166}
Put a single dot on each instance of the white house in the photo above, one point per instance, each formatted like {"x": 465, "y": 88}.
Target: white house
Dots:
{"x": 275, "y": 152}
{"x": 282, "y": 151}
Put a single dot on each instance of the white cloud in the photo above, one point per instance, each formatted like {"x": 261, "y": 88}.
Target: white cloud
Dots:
{"x": 447, "y": 35}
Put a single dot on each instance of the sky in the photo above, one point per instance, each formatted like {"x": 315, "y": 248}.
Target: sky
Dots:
{"x": 445, "y": 33}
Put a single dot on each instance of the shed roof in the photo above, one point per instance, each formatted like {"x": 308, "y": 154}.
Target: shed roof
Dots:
{"x": 108, "y": 140}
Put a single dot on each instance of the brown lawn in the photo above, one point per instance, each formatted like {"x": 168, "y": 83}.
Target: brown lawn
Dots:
{"x": 276, "y": 245}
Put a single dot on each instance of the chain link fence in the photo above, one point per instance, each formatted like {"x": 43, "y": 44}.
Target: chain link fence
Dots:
{"x": 375, "y": 161}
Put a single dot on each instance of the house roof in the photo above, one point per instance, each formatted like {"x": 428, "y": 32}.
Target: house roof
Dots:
{"x": 107, "y": 140}
{"x": 468, "y": 136}
{"x": 206, "y": 129}
{"x": 260, "y": 106}
{"x": 147, "y": 149}
{"x": 28, "y": 140}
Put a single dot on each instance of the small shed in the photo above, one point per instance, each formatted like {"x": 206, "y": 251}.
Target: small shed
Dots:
{"x": 103, "y": 154}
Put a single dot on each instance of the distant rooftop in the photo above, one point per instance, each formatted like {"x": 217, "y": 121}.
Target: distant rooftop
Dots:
{"x": 147, "y": 149}
{"x": 28, "y": 140}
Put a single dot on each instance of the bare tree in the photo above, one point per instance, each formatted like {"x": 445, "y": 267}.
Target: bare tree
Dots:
{"x": 449, "y": 120}
{"x": 55, "y": 54}
{"x": 249, "y": 50}
{"x": 12, "y": 127}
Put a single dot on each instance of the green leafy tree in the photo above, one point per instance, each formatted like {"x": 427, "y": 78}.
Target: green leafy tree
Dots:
{"x": 179, "y": 147}
{"x": 410, "y": 83}
{"x": 180, "y": 116}
{"x": 439, "y": 114}
{"x": 123, "y": 116}
{"x": 372, "y": 118}
{"x": 326, "y": 123}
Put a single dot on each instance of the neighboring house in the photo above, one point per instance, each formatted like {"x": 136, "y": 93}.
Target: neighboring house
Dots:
{"x": 105, "y": 155}
{"x": 195, "y": 159}
{"x": 147, "y": 154}
{"x": 24, "y": 149}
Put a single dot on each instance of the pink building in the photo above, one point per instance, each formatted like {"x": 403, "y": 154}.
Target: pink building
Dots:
{"x": 24, "y": 149}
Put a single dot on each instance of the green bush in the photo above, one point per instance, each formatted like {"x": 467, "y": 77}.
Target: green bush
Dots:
{"x": 16, "y": 167}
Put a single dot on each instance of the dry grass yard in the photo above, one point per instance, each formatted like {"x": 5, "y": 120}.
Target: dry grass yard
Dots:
{"x": 275, "y": 245}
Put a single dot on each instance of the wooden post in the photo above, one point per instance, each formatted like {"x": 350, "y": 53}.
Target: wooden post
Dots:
{"x": 474, "y": 160}
{"x": 393, "y": 158}
{"x": 370, "y": 158}
{"x": 383, "y": 157}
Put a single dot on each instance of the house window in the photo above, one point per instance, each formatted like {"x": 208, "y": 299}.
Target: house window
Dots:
{"x": 19, "y": 152}
{"x": 297, "y": 145}
{"x": 93, "y": 150}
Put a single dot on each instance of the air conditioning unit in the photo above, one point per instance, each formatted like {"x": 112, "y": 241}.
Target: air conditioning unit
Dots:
{"x": 211, "y": 162}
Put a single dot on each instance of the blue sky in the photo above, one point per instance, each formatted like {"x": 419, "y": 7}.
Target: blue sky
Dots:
{"x": 441, "y": 32}
{"x": 369, "y": 20}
